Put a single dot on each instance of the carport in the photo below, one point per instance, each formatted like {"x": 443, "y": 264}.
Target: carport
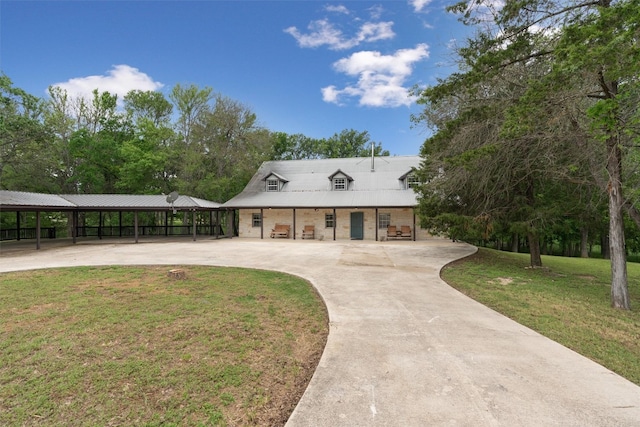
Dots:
{"x": 214, "y": 220}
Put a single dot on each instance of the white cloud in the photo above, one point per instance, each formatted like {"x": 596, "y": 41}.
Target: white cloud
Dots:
{"x": 119, "y": 81}
{"x": 419, "y": 5}
{"x": 322, "y": 32}
{"x": 337, "y": 9}
{"x": 381, "y": 78}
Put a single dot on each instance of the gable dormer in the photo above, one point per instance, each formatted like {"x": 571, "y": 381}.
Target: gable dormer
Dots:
{"x": 410, "y": 179}
{"x": 274, "y": 182}
{"x": 340, "y": 181}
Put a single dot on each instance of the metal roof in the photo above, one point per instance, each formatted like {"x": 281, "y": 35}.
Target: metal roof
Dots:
{"x": 18, "y": 200}
{"x": 377, "y": 183}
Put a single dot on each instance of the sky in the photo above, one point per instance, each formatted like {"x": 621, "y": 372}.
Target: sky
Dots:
{"x": 302, "y": 66}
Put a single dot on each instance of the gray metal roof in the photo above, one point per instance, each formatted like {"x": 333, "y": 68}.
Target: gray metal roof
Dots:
{"x": 12, "y": 200}
{"x": 309, "y": 184}
{"x": 24, "y": 199}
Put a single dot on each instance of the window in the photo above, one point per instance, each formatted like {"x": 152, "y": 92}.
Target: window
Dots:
{"x": 412, "y": 181}
{"x": 273, "y": 185}
{"x": 256, "y": 220}
{"x": 384, "y": 220}
{"x": 339, "y": 184}
{"x": 328, "y": 220}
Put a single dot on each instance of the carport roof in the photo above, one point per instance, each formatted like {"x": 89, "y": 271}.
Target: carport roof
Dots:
{"x": 19, "y": 200}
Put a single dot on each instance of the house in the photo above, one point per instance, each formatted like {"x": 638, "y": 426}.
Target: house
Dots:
{"x": 354, "y": 198}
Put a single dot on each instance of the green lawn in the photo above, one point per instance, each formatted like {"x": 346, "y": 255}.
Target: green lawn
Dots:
{"x": 568, "y": 300}
{"x": 131, "y": 346}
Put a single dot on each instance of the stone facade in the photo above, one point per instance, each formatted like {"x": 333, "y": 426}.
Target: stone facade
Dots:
{"x": 318, "y": 218}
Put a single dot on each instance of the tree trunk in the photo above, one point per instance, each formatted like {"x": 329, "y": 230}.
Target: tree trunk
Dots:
{"x": 534, "y": 250}
{"x": 604, "y": 246}
{"x": 584, "y": 242}
{"x": 619, "y": 289}
{"x": 515, "y": 243}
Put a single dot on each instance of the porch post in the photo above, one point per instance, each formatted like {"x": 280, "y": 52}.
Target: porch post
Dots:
{"x": 414, "y": 225}
{"x": 261, "y": 223}
{"x": 120, "y": 223}
{"x": 335, "y": 223}
{"x": 376, "y": 225}
{"x": 294, "y": 223}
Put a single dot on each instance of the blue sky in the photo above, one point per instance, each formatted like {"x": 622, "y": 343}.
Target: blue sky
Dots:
{"x": 306, "y": 66}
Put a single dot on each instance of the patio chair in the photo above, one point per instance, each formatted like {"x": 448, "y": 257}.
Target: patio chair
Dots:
{"x": 308, "y": 232}
{"x": 405, "y": 231}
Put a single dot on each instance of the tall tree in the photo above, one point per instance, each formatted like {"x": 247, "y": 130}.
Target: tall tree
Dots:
{"x": 25, "y": 157}
{"x": 597, "y": 40}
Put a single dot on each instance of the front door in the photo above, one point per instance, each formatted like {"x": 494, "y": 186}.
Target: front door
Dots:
{"x": 357, "y": 225}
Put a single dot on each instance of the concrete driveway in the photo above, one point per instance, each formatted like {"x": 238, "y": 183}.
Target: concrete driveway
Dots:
{"x": 404, "y": 349}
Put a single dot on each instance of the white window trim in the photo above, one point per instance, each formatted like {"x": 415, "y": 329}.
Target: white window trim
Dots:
{"x": 271, "y": 187}
{"x": 340, "y": 184}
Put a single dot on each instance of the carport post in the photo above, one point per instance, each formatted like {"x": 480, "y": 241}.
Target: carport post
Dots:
{"x": 74, "y": 226}
{"x": 135, "y": 225}
{"x": 193, "y": 216}
{"x": 18, "y": 225}
{"x": 37, "y": 229}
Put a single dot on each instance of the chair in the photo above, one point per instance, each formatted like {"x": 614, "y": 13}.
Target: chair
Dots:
{"x": 405, "y": 231}
{"x": 308, "y": 232}
{"x": 392, "y": 232}
{"x": 280, "y": 230}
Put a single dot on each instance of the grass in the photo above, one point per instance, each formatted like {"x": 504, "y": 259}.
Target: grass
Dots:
{"x": 132, "y": 346}
{"x": 568, "y": 301}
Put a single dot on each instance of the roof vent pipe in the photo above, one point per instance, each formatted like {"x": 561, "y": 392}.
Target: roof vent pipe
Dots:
{"x": 373, "y": 168}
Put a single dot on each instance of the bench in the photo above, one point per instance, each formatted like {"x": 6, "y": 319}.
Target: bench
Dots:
{"x": 403, "y": 233}
{"x": 308, "y": 232}
{"x": 280, "y": 230}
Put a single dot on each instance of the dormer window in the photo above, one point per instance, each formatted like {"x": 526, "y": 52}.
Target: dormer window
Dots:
{"x": 339, "y": 184}
{"x": 340, "y": 181}
{"x": 274, "y": 182}
{"x": 273, "y": 185}
{"x": 412, "y": 181}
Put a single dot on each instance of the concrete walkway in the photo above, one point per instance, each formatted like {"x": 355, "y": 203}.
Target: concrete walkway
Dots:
{"x": 404, "y": 349}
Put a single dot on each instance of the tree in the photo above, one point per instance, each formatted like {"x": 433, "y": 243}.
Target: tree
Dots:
{"x": 351, "y": 143}
{"x": 226, "y": 148}
{"x": 593, "y": 40}
{"x": 295, "y": 147}
{"x": 149, "y": 105}
{"x": 25, "y": 160}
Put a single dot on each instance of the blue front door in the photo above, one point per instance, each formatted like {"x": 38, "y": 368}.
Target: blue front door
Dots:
{"x": 357, "y": 225}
